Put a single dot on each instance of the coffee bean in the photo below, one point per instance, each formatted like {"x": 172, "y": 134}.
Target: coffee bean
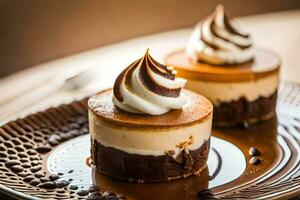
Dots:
{"x": 254, "y": 160}
{"x": 254, "y": 151}
{"x": 11, "y": 163}
{"x": 36, "y": 168}
{"x": 17, "y": 168}
{"x": 53, "y": 177}
{"x": 60, "y": 173}
{"x": 70, "y": 180}
{"x": 70, "y": 171}
{"x": 48, "y": 185}
{"x": 62, "y": 183}
{"x": 28, "y": 179}
{"x": 93, "y": 188}
{"x": 43, "y": 149}
{"x": 73, "y": 187}
{"x": 82, "y": 192}
{"x": 35, "y": 182}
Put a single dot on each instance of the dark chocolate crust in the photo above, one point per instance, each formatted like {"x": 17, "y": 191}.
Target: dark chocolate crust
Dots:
{"x": 146, "y": 168}
{"x": 242, "y": 111}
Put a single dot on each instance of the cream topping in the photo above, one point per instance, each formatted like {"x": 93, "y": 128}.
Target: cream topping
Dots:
{"x": 218, "y": 40}
{"x": 148, "y": 87}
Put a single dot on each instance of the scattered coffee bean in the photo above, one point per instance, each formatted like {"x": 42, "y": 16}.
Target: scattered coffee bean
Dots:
{"x": 73, "y": 187}
{"x": 11, "y": 163}
{"x": 35, "y": 182}
{"x": 43, "y": 149}
{"x": 36, "y": 168}
{"x": 254, "y": 151}
{"x": 93, "y": 188}
{"x": 70, "y": 180}
{"x": 17, "y": 168}
{"x": 48, "y": 185}
{"x": 70, "y": 171}
{"x": 60, "y": 173}
{"x": 27, "y": 179}
{"x": 53, "y": 177}
{"x": 254, "y": 160}
{"x": 62, "y": 183}
{"x": 82, "y": 192}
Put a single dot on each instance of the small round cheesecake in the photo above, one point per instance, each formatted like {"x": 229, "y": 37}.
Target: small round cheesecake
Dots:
{"x": 148, "y": 128}
{"x": 147, "y": 148}
{"x": 220, "y": 63}
{"x": 244, "y": 93}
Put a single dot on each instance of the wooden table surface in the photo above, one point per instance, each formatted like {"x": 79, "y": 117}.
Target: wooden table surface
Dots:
{"x": 40, "y": 85}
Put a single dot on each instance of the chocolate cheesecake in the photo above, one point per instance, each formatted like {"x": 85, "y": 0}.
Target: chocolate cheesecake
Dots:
{"x": 221, "y": 63}
{"x": 147, "y": 128}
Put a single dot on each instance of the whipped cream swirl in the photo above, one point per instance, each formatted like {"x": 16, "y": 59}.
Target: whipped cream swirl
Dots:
{"x": 218, "y": 40}
{"x": 148, "y": 87}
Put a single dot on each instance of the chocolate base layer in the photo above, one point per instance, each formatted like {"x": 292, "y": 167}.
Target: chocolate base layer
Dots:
{"x": 146, "y": 168}
{"x": 242, "y": 111}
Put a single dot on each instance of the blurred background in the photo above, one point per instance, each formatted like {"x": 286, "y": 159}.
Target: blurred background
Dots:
{"x": 35, "y": 31}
